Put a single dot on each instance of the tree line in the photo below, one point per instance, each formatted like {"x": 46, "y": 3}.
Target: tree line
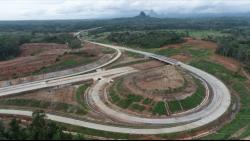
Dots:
{"x": 237, "y": 45}
{"x": 147, "y": 39}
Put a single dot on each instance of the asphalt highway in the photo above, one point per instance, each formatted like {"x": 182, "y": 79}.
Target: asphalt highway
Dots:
{"x": 217, "y": 107}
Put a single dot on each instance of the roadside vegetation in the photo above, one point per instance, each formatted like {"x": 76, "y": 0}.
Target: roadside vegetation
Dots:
{"x": 38, "y": 129}
{"x": 67, "y": 61}
{"x": 38, "y": 104}
{"x": 237, "y": 83}
{"x": 80, "y": 96}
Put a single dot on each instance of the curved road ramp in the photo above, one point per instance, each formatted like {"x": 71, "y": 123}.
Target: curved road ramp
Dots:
{"x": 218, "y": 105}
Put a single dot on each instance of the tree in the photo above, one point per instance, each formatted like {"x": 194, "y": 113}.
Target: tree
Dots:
{"x": 2, "y": 131}
{"x": 15, "y": 131}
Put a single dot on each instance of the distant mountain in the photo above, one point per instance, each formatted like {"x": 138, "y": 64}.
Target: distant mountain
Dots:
{"x": 142, "y": 15}
{"x": 152, "y": 13}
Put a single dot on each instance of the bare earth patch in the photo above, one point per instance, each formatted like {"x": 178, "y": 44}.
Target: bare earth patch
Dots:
{"x": 229, "y": 63}
{"x": 201, "y": 43}
{"x": 159, "y": 87}
{"x": 148, "y": 65}
{"x": 31, "y": 49}
{"x": 163, "y": 78}
{"x": 33, "y": 57}
{"x": 194, "y": 43}
{"x": 62, "y": 95}
{"x": 182, "y": 57}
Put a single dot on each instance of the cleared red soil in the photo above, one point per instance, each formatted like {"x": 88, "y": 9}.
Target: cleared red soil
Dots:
{"x": 227, "y": 62}
{"x": 182, "y": 57}
{"x": 32, "y": 49}
{"x": 195, "y": 43}
{"x": 33, "y": 57}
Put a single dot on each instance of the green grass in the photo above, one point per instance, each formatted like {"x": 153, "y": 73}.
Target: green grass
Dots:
{"x": 114, "y": 97}
{"x": 68, "y": 63}
{"x": 126, "y": 99}
{"x": 80, "y": 96}
{"x": 122, "y": 99}
{"x": 108, "y": 51}
{"x": 127, "y": 64}
{"x": 246, "y": 133}
{"x": 199, "y": 53}
{"x": 135, "y": 55}
{"x": 160, "y": 108}
{"x": 185, "y": 49}
{"x": 137, "y": 107}
{"x": 135, "y": 98}
{"x": 32, "y": 103}
{"x": 206, "y": 34}
{"x": 218, "y": 70}
{"x": 124, "y": 103}
{"x": 195, "y": 99}
{"x": 236, "y": 82}
{"x": 129, "y": 100}
{"x": 93, "y": 132}
{"x": 147, "y": 101}
{"x": 174, "y": 106}
{"x": 167, "y": 51}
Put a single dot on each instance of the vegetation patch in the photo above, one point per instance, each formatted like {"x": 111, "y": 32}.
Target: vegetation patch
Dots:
{"x": 236, "y": 82}
{"x": 38, "y": 129}
{"x": 137, "y": 107}
{"x": 147, "y": 39}
{"x": 195, "y": 99}
{"x": 65, "y": 62}
{"x": 174, "y": 106}
{"x": 160, "y": 108}
{"x": 147, "y": 101}
{"x": 80, "y": 96}
{"x": 32, "y": 103}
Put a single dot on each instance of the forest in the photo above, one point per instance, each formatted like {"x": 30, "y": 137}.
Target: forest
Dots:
{"x": 148, "y": 39}
{"x": 237, "y": 45}
{"x": 123, "y": 24}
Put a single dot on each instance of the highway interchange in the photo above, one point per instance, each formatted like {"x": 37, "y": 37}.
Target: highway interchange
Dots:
{"x": 219, "y": 104}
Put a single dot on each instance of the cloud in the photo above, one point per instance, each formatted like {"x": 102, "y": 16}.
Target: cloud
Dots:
{"x": 74, "y": 9}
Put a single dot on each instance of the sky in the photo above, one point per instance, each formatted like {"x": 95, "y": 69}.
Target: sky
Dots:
{"x": 93, "y": 9}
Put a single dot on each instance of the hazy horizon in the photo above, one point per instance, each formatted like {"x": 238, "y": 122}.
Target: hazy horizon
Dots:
{"x": 103, "y": 9}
